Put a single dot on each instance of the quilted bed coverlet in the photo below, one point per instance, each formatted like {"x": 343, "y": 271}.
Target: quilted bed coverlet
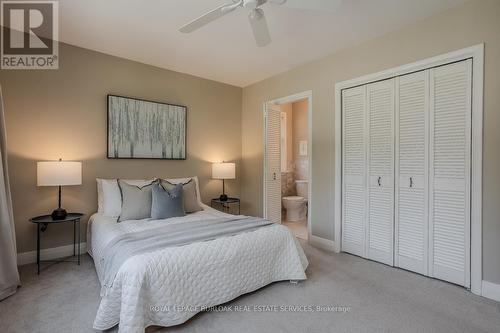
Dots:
{"x": 167, "y": 286}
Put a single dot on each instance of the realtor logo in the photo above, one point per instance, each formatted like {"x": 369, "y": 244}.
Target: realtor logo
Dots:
{"x": 29, "y": 35}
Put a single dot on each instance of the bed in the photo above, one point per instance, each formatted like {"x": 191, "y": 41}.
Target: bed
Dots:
{"x": 168, "y": 286}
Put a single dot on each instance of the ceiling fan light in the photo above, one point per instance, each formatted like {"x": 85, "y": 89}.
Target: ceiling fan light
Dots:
{"x": 256, "y": 14}
{"x": 250, "y": 4}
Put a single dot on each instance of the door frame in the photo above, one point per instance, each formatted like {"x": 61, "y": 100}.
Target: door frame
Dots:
{"x": 476, "y": 53}
{"x": 285, "y": 100}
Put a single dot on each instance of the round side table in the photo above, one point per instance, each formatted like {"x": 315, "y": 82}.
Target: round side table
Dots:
{"x": 44, "y": 221}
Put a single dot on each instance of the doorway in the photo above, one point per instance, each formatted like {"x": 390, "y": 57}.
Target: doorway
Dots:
{"x": 288, "y": 162}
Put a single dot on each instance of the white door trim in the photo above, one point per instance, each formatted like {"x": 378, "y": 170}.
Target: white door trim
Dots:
{"x": 476, "y": 53}
{"x": 491, "y": 290}
{"x": 284, "y": 100}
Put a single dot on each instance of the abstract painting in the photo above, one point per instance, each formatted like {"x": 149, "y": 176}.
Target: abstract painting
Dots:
{"x": 144, "y": 129}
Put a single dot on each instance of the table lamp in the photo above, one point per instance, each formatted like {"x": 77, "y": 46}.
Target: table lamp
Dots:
{"x": 223, "y": 171}
{"x": 59, "y": 173}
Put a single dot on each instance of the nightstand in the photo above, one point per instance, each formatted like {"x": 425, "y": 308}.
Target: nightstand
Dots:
{"x": 225, "y": 205}
{"x": 44, "y": 221}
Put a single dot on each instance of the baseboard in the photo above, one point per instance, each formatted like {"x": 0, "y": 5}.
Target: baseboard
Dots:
{"x": 491, "y": 290}
{"x": 322, "y": 243}
{"x": 49, "y": 254}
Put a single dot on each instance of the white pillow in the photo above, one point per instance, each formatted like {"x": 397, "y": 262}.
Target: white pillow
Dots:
{"x": 100, "y": 203}
{"x": 111, "y": 198}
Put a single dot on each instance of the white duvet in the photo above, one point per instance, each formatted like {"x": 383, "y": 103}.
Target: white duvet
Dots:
{"x": 168, "y": 286}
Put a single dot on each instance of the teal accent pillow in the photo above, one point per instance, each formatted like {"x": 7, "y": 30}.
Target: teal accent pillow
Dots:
{"x": 167, "y": 203}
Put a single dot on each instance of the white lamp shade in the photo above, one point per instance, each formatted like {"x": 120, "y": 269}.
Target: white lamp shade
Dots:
{"x": 223, "y": 170}
{"x": 58, "y": 173}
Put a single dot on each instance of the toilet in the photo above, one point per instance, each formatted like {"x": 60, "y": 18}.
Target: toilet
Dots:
{"x": 296, "y": 206}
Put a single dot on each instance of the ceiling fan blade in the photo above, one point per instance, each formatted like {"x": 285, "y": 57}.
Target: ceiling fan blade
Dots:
{"x": 208, "y": 17}
{"x": 322, "y": 5}
{"x": 259, "y": 27}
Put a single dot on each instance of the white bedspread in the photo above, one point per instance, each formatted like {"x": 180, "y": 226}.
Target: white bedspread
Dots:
{"x": 168, "y": 286}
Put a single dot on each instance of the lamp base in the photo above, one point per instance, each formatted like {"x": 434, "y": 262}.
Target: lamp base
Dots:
{"x": 59, "y": 214}
{"x": 223, "y": 197}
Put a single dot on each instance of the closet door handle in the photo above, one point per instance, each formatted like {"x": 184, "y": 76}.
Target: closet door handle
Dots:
{"x": 411, "y": 181}
{"x": 379, "y": 181}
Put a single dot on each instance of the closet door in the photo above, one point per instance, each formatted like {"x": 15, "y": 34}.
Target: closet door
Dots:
{"x": 412, "y": 141}
{"x": 353, "y": 170}
{"x": 450, "y": 88}
{"x": 380, "y": 224}
{"x": 272, "y": 169}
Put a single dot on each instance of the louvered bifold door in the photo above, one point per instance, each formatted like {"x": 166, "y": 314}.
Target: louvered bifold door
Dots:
{"x": 450, "y": 145}
{"x": 272, "y": 174}
{"x": 353, "y": 170}
{"x": 380, "y": 223}
{"x": 411, "y": 197}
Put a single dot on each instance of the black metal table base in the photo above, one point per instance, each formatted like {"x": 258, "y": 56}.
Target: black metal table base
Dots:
{"x": 41, "y": 227}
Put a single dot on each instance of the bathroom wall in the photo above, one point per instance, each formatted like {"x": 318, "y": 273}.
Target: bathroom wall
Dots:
{"x": 287, "y": 177}
{"x": 288, "y": 109}
{"x": 287, "y": 184}
{"x": 300, "y": 128}
{"x": 296, "y": 131}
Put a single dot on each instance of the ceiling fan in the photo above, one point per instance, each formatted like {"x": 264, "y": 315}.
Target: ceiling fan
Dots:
{"x": 256, "y": 15}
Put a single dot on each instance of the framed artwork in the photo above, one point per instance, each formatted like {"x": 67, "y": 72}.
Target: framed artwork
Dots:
{"x": 145, "y": 129}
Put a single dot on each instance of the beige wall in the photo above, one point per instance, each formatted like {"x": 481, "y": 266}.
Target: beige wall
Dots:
{"x": 62, "y": 113}
{"x": 299, "y": 111}
{"x": 469, "y": 24}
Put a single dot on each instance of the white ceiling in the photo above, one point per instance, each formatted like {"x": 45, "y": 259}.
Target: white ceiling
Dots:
{"x": 224, "y": 50}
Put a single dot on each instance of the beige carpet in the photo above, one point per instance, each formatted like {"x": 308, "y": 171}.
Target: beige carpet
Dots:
{"x": 64, "y": 298}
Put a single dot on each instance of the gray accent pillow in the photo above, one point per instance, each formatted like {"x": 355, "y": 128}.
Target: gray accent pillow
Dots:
{"x": 191, "y": 204}
{"x": 167, "y": 203}
{"x": 136, "y": 201}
